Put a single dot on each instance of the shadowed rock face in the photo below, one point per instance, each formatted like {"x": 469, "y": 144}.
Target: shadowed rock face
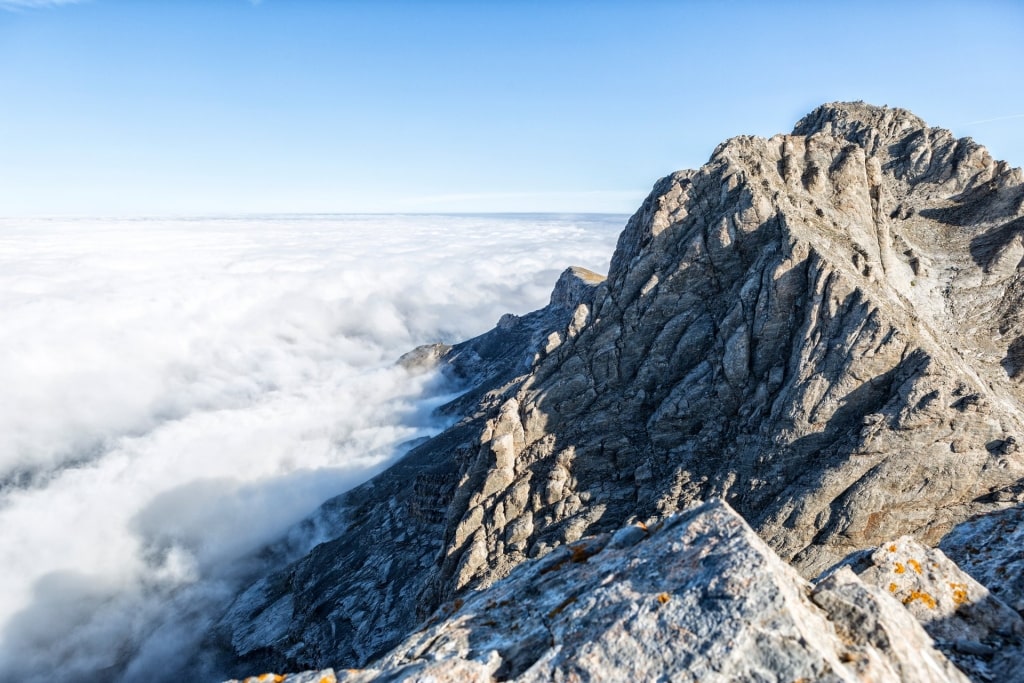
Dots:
{"x": 823, "y": 328}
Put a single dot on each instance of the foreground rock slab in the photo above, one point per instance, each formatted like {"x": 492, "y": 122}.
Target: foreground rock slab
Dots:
{"x": 975, "y": 629}
{"x": 698, "y": 598}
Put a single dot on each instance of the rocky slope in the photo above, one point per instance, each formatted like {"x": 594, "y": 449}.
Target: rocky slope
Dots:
{"x": 822, "y": 328}
{"x": 699, "y": 597}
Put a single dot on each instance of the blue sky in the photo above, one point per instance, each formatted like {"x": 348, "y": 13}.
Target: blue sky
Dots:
{"x": 225, "y": 106}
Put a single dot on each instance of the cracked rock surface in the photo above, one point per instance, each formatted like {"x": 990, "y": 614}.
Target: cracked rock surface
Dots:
{"x": 698, "y": 598}
{"x": 823, "y": 328}
{"x": 981, "y": 634}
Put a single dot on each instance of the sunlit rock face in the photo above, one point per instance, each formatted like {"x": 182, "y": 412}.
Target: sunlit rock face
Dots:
{"x": 696, "y": 597}
{"x": 823, "y": 329}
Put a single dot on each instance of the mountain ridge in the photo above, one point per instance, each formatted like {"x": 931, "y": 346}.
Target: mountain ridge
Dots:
{"x": 822, "y": 328}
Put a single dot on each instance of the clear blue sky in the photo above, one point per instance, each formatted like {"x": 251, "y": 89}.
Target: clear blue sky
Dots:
{"x": 189, "y": 106}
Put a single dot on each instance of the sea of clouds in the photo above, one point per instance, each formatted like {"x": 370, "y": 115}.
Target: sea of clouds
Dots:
{"x": 177, "y": 394}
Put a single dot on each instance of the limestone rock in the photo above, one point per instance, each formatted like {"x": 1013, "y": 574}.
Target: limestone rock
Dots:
{"x": 991, "y": 549}
{"x": 824, "y": 328}
{"x": 981, "y": 634}
{"x": 574, "y": 287}
{"x": 698, "y": 598}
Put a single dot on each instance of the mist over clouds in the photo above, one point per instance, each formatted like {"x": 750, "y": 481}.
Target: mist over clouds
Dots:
{"x": 176, "y": 394}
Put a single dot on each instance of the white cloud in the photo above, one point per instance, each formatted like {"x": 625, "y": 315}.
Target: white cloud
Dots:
{"x": 175, "y": 394}
{"x": 994, "y": 119}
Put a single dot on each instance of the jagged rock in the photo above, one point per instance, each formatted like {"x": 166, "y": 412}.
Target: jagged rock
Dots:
{"x": 698, "y": 598}
{"x": 991, "y": 549}
{"x": 349, "y": 598}
{"x": 824, "y": 328}
{"x": 574, "y": 287}
{"x": 981, "y": 634}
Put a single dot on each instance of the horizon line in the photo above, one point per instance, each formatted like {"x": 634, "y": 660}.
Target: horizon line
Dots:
{"x": 296, "y": 214}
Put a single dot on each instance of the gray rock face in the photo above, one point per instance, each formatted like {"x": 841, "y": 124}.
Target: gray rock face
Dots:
{"x": 975, "y": 629}
{"x": 991, "y": 549}
{"x": 823, "y": 328}
{"x": 698, "y": 598}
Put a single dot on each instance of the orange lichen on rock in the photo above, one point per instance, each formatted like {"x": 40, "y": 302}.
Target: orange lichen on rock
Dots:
{"x": 900, "y": 568}
{"x": 928, "y": 600}
{"x": 959, "y": 593}
{"x": 664, "y": 597}
{"x": 892, "y": 548}
{"x": 580, "y": 553}
{"x": 893, "y": 587}
{"x": 914, "y": 565}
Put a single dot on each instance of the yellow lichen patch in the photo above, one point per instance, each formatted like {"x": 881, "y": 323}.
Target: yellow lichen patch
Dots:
{"x": 328, "y": 679}
{"x": 900, "y": 568}
{"x": 269, "y": 678}
{"x": 914, "y": 565}
{"x": 928, "y": 600}
{"x": 893, "y": 587}
{"x": 664, "y": 597}
{"x": 959, "y": 593}
{"x": 892, "y": 548}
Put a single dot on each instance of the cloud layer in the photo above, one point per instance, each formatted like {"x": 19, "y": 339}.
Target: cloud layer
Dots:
{"x": 176, "y": 394}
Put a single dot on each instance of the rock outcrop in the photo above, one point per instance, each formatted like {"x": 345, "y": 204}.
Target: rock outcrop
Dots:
{"x": 699, "y": 597}
{"x": 975, "y": 629}
{"x": 991, "y": 549}
{"x": 824, "y": 329}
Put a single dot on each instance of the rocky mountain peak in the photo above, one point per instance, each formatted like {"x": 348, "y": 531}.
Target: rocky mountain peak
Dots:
{"x": 823, "y": 328}
{"x": 575, "y": 286}
{"x": 851, "y": 120}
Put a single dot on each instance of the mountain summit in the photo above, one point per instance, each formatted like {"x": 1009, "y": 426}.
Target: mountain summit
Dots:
{"x": 822, "y": 328}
